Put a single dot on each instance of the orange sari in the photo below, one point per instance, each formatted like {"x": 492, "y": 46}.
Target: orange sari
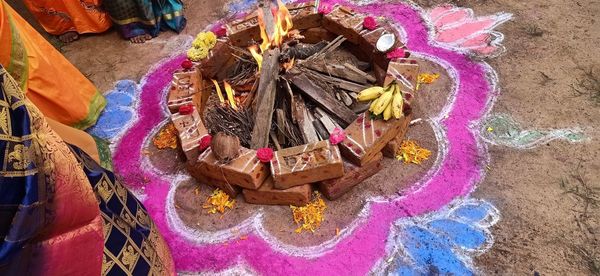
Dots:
{"x": 61, "y": 16}
{"x": 51, "y": 82}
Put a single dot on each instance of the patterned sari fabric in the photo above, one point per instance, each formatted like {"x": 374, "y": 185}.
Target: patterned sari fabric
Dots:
{"x": 140, "y": 17}
{"x": 61, "y": 16}
{"x": 51, "y": 82}
{"x": 60, "y": 212}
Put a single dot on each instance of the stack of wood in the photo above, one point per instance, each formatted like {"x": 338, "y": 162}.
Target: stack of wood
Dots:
{"x": 294, "y": 110}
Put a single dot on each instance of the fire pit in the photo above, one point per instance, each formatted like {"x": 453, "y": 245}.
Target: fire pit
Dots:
{"x": 314, "y": 98}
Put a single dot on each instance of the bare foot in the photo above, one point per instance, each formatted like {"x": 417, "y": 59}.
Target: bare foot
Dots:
{"x": 140, "y": 38}
{"x": 68, "y": 37}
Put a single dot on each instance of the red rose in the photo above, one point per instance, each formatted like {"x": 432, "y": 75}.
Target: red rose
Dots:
{"x": 337, "y": 136}
{"x": 221, "y": 32}
{"x": 187, "y": 64}
{"x": 325, "y": 9}
{"x": 205, "y": 142}
{"x": 396, "y": 53}
{"x": 265, "y": 155}
{"x": 369, "y": 23}
{"x": 186, "y": 109}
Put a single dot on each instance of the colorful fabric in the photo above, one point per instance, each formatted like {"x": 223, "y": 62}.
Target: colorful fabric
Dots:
{"x": 61, "y": 213}
{"x": 51, "y": 82}
{"x": 139, "y": 17}
{"x": 61, "y": 16}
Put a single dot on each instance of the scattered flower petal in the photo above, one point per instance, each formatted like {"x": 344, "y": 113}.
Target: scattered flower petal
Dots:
{"x": 166, "y": 137}
{"x": 217, "y": 202}
{"x": 325, "y": 9}
{"x": 310, "y": 216}
{"x": 410, "y": 152}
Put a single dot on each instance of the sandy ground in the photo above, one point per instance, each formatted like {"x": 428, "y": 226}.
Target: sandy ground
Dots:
{"x": 544, "y": 227}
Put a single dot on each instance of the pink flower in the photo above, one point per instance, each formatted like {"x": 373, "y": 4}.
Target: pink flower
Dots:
{"x": 369, "y": 23}
{"x": 221, "y": 32}
{"x": 265, "y": 155}
{"x": 325, "y": 9}
{"x": 186, "y": 109}
{"x": 187, "y": 64}
{"x": 337, "y": 136}
{"x": 205, "y": 142}
{"x": 396, "y": 53}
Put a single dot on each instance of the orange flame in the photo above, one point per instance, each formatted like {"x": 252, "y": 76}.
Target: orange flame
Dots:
{"x": 230, "y": 93}
{"x": 283, "y": 24}
{"x": 289, "y": 65}
{"x": 258, "y": 57}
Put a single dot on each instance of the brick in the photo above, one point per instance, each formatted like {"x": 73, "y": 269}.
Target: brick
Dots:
{"x": 268, "y": 195}
{"x": 193, "y": 169}
{"x": 366, "y": 137}
{"x": 309, "y": 163}
{"x": 245, "y": 171}
{"x": 392, "y": 147}
{"x": 191, "y": 130}
{"x": 184, "y": 87}
{"x": 354, "y": 175}
{"x": 344, "y": 21}
{"x": 305, "y": 15}
{"x": 405, "y": 72}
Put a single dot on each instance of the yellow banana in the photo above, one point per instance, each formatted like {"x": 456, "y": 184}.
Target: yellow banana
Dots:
{"x": 383, "y": 102}
{"x": 387, "y": 113}
{"x": 373, "y": 103}
{"x": 397, "y": 105}
{"x": 370, "y": 93}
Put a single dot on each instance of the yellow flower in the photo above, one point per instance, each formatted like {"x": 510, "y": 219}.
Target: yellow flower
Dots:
{"x": 197, "y": 54}
{"x": 410, "y": 152}
{"x": 217, "y": 202}
{"x": 310, "y": 216}
{"x": 205, "y": 39}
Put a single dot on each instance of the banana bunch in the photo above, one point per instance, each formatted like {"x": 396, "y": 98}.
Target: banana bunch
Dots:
{"x": 387, "y": 100}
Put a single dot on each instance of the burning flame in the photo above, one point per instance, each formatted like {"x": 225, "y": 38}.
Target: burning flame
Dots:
{"x": 221, "y": 99}
{"x": 230, "y": 93}
{"x": 283, "y": 24}
{"x": 258, "y": 57}
{"x": 289, "y": 65}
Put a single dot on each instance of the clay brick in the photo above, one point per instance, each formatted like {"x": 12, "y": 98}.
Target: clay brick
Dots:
{"x": 242, "y": 31}
{"x": 309, "y": 163}
{"x": 193, "y": 169}
{"x": 268, "y": 195}
{"x": 335, "y": 188}
{"x": 305, "y": 15}
{"x": 366, "y": 137}
{"x": 245, "y": 171}
{"x": 405, "y": 72}
{"x": 186, "y": 87}
{"x": 191, "y": 130}
{"x": 392, "y": 147}
{"x": 344, "y": 21}
{"x": 218, "y": 61}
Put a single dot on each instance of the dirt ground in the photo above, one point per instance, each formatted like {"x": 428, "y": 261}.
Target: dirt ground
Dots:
{"x": 548, "y": 196}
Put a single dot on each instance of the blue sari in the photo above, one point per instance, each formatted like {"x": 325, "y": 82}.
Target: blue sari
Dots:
{"x": 145, "y": 17}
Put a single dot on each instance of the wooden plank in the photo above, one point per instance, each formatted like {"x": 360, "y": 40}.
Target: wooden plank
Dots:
{"x": 268, "y": 195}
{"x": 325, "y": 100}
{"x": 335, "y": 70}
{"x": 367, "y": 76}
{"x": 353, "y": 175}
{"x": 267, "y": 90}
{"x": 306, "y": 164}
{"x": 304, "y": 122}
{"x": 343, "y": 21}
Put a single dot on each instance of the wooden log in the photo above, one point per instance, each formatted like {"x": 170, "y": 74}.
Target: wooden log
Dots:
{"x": 229, "y": 189}
{"x": 344, "y": 21}
{"x": 353, "y": 175}
{"x": 304, "y": 122}
{"x": 268, "y": 195}
{"x": 321, "y": 130}
{"x": 306, "y": 164}
{"x": 268, "y": 18}
{"x": 325, "y": 100}
{"x": 345, "y": 98}
{"x": 275, "y": 140}
{"x": 335, "y": 70}
{"x": 366, "y": 75}
{"x": 391, "y": 149}
{"x": 366, "y": 137}
{"x": 245, "y": 171}
{"x": 191, "y": 130}
{"x": 267, "y": 90}
{"x": 329, "y": 124}
{"x": 281, "y": 122}
{"x": 301, "y": 51}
